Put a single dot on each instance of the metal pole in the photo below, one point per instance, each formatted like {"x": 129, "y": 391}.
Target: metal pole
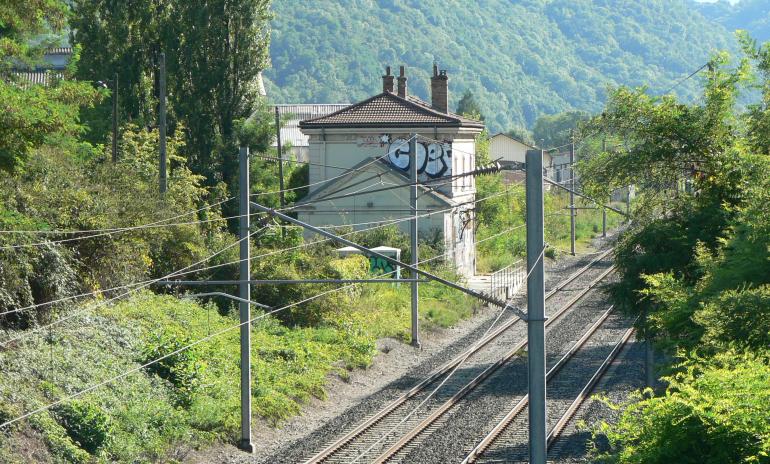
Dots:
{"x": 536, "y": 308}
{"x": 162, "y": 124}
{"x": 279, "y": 146}
{"x": 115, "y": 119}
{"x": 413, "y": 237}
{"x": 245, "y": 294}
{"x": 572, "y": 196}
{"x": 417, "y": 271}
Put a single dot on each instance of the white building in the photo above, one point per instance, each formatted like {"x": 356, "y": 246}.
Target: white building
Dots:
{"x": 365, "y": 147}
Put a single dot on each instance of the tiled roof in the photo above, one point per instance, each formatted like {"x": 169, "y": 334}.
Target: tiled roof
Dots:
{"x": 290, "y": 131}
{"x": 389, "y": 110}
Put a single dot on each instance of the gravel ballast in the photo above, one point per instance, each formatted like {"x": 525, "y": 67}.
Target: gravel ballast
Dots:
{"x": 395, "y": 369}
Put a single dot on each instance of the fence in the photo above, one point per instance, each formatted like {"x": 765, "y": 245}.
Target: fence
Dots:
{"x": 505, "y": 282}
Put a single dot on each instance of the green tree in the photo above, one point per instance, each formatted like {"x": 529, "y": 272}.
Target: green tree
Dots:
{"x": 555, "y": 130}
{"x": 214, "y": 53}
{"x": 469, "y": 107}
{"x": 30, "y": 116}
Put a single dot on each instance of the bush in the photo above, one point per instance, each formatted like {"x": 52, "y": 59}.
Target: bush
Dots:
{"x": 737, "y": 318}
{"x": 85, "y": 423}
{"x": 713, "y": 412}
{"x": 183, "y": 370}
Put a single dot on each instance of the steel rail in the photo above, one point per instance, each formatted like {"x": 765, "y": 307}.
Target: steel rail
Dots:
{"x": 558, "y": 428}
{"x": 440, "y": 372}
{"x": 479, "y": 379}
{"x": 506, "y": 421}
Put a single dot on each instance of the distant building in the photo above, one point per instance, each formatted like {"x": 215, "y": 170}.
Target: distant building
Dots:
{"x": 55, "y": 61}
{"x": 365, "y": 146}
{"x": 290, "y": 132}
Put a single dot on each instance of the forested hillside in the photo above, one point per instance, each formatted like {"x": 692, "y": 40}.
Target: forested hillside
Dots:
{"x": 522, "y": 59}
{"x": 751, "y": 15}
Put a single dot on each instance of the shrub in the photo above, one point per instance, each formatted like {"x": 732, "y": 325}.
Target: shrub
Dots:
{"x": 713, "y": 412}
{"x": 183, "y": 370}
{"x": 85, "y": 423}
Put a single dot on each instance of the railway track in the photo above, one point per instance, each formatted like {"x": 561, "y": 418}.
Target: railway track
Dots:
{"x": 372, "y": 440}
{"x": 568, "y": 378}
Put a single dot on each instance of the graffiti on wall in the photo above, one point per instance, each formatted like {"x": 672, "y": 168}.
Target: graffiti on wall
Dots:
{"x": 434, "y": 159}
{"x": 380, "y": 266}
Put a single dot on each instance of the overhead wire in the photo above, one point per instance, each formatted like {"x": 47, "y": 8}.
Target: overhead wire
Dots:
{"x": 211, "y": 336}
{"x": 454, "y": 369}
{"x": 178, "y": 273}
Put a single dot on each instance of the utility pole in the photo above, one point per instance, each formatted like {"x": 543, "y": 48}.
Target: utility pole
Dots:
{"x": 413, "y": 237}
{"x": 162, "y": 123}
{"x": 571, "y": 193}
{"x": 245, "y": 294}
{"x": 536, "y": 307}
{"x": 115, "y": 119}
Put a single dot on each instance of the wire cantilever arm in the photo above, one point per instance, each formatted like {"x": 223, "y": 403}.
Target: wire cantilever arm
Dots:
{"x": 344, "y": 241}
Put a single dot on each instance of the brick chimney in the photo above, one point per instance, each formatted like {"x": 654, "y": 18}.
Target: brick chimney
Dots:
{"x": 387, "y": 81}
{"x": 402, "y": 84}
{"x": 439, "y": 90}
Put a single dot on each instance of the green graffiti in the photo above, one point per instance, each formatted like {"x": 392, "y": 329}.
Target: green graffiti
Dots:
{"x": 379, "y": 266}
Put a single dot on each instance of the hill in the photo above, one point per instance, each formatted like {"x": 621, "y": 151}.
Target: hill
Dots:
{"x": 751, "y": 15}
{"x": 522, "y": 59}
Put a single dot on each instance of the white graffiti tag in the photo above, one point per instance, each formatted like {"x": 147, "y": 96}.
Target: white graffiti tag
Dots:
{"x": 433, "y": 159}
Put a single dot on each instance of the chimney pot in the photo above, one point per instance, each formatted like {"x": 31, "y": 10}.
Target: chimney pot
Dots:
{"x": 387, "y": 81}
{"x": 439, "y": 87}
{"x": 402, "y": 83}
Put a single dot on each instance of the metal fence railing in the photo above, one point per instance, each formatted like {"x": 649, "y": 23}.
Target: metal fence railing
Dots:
{"x": 505, "y": 282}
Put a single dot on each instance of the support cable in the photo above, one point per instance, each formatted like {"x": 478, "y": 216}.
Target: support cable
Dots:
{"x": 451, "y": 373}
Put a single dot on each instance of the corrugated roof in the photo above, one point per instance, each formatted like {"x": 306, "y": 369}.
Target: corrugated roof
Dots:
{"x": 26, "y": 79}
{"x": 389, "y": 110}
{"x": 59, "y": 51}
{"x": 290, "y": 132}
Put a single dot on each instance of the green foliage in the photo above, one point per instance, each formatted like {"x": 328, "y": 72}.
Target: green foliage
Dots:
{"x": 556, "y": 130}
{"x": 30, "y": 117}
{"x": 496, "y": 49}
{"x": 696, "y": 266}
{"x": 86, "y": 424}
{"x": 751, "y": 15}
{"x": 23, "y": 22}
{"x": 468, "y": 107}
{"x": 229, "y": 40}
{"x": 713, "y": 412}
{"x": 182, "y": 367}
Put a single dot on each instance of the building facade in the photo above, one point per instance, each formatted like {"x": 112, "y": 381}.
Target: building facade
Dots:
{"x": 365, "y": 147}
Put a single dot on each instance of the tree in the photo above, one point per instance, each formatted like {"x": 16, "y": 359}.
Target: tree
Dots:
{"x": 218, "y": 49}
{"x": 119, "y": 38}
{"x": 554, "y": 130}
{"x": 29, "y": 116}
{"x": 468, "y": 107}
{"x": 214, "y": 53}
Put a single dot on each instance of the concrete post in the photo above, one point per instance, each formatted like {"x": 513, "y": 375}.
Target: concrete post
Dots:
{"x": 572, "y": 198}
{"x": 414, "y": 238}
{"x": 536, "y": 308}
{"x": 245, "y": 294}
